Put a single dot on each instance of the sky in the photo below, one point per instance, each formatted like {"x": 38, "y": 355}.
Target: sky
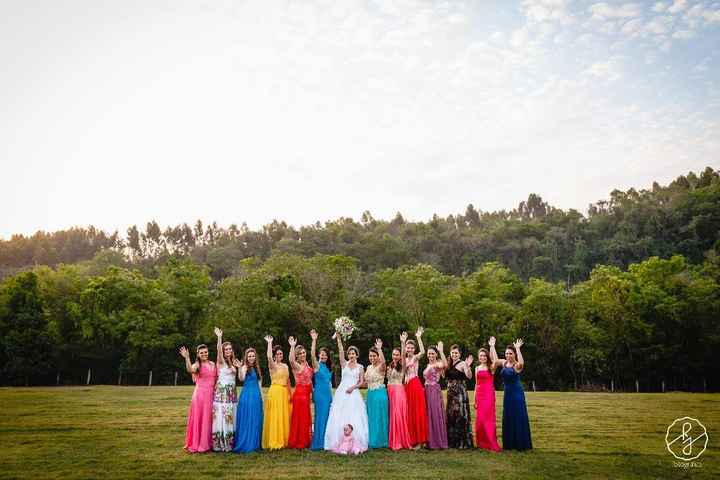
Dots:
{"x": 117, "y": 113}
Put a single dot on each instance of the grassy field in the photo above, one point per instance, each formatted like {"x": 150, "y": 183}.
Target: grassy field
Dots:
{"x": 131, "y": 432}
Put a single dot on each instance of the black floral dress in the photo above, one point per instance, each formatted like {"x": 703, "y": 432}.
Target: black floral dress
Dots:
{"x": 459, "y": 426}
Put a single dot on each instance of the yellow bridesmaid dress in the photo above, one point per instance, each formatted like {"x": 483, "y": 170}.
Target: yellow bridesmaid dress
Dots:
{"x": 276, "y": 424}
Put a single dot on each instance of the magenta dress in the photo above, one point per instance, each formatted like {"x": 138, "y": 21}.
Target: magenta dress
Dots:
{"x": 198, "y": 436}
{"x": 437, "y": 432}
{"x": 485, "y": 436}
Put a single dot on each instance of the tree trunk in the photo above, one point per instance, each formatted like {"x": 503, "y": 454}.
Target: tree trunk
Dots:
{"x": 150, "y": 379}
{"x": 176, "y": 375}
{"x": 89, "y": 376}
{"x": 637, "y": 386}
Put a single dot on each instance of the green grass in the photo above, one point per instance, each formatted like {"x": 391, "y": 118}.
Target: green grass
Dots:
{"x": 131, "y": 432}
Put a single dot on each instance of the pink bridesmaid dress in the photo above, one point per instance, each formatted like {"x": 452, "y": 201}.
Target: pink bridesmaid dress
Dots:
{"x": 485, "y": 436}
{"x": 198, "y": 437}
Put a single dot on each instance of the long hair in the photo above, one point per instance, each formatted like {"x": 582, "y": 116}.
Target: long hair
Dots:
{"x": 487, "y": 356}
{"x": 409, "y": 342}
{"x": 258, "y": 372}
{"x": 197, "y": 357}
{"x": 232, "y": 359}
{"x": 455, "y": 346}
{"x": 397, "y": 365}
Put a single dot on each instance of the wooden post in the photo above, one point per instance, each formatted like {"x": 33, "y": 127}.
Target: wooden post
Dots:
{"x": 57, "y": 379}
{"x": 89, "y": 375}
{"x": 663, "y": 386}
{"x": 612, "y": 385}
{"x": 637, "y": 386}
{"x": 533, "y": 385}
{"x": 150, "y": 379}
{"x": 120, "y": 378}
{"x": 176, "y": 375}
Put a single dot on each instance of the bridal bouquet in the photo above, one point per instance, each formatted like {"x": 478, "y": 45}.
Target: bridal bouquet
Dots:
{"x": 344, "y": 327}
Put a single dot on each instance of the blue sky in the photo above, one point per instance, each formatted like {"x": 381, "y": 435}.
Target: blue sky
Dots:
{"x": 118, "y": 113}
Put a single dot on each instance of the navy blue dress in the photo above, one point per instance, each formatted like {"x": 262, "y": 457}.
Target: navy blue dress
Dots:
{"x": 322, "y": 397}
{"x": 516, "y": 424}
{"x": 249, "y": 417}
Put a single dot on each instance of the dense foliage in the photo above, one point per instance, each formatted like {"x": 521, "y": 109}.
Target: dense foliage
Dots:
{"x": 630, "y": 293}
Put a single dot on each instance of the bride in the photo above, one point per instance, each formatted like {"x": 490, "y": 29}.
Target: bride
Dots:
{"x": 347, "y": 406}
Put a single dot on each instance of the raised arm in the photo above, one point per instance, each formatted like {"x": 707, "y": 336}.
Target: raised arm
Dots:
{"x": 220, "y": 360}
{"x": 443, "y": 359}
{"x": 189, "y": 367}
{"x": 421, "y": 347}
{"x": 494, "y": 360}
{"x": 381, "y": 357}
{"x": 467, "y": 366}
{"x": 520, "y": 363}
{"x": 271, "y": 361}
{"x": 341, "y": 350}
{"x": 291, "y": 357}
{"x": 314, "y": 336}
{"x": 403, "y": 342}
{"x": 242, "y": 370}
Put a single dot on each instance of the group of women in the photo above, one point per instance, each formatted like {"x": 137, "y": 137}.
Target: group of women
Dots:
{"x": 398, "y": 413}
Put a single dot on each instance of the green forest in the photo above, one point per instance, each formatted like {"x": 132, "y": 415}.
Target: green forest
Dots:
{"x": 628, "y": 292}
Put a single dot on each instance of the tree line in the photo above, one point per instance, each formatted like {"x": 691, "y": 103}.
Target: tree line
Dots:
{"x": 533, "y": 240}
{"x": 648, "y": 313}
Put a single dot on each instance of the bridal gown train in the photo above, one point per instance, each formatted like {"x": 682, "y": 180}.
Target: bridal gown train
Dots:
{"x": 347, "y": 409}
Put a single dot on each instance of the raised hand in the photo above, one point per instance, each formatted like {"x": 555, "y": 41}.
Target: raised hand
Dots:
{"x": 440, "y": 347}
{"x": 313, "y": 335}
{"x": 334, "y": 336}
{"x": 378, "y": 344}
{"x": 184, "y": 352}
{"x": 218, "y": 332}
{"x": 268, "y": 338}
{"x": 518, "y": 343}
{"x": 403, "y": 336}
{"x": 469, "y": 360}
{"x": 292, "y": 341}
{"x": 236, "y": 363}
{"x": 491, "y": 342}
{"x": 419, "y": 332}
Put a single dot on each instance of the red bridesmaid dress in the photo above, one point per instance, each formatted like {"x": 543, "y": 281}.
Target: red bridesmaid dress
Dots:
{"x": 300, "y": 419}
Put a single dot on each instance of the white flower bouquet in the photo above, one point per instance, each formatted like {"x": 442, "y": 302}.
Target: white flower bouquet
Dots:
{"x": 344, "y": 327}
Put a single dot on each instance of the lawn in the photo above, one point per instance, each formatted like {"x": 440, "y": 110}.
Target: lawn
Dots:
{"x": 130, "y": 432}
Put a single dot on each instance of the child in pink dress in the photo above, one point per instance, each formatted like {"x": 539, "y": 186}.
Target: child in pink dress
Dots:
{"x": 347, "y": 443}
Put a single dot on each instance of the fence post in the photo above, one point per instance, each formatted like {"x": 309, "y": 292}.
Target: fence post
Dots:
{"x": 533, "y": 385}
{"x": 150, "y": 379}
{"x": 176, "y": 375}
{"x": 120, "y": 378}
{"x": 637, "y": 386}
{"x": 89, "y": 375}
{"x": 57, "y": 379}
{"x": 612, "y": 385}
{"x": 663, "y": 386}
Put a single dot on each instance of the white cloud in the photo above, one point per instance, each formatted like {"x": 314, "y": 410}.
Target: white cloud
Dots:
{"x": 608, "y": 69}
{"x": 659, "y": 7}
{"x": 677, "y": 6}
{"x": 604, "y": 11}
{"x": 683, "y": 34}
{"x": 538, "y": 11}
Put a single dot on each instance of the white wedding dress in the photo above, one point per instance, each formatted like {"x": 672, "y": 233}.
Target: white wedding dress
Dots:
{"x": 346, "y": 409}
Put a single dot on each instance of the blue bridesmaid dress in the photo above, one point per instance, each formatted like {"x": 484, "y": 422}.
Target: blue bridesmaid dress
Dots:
{"x": 516, "y": 424}
{"x": 322, "y": 397}
{"x": 249, "y": 417}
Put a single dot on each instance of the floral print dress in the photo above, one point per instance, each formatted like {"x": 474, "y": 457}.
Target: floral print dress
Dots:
{"x": 224, "y": 408}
